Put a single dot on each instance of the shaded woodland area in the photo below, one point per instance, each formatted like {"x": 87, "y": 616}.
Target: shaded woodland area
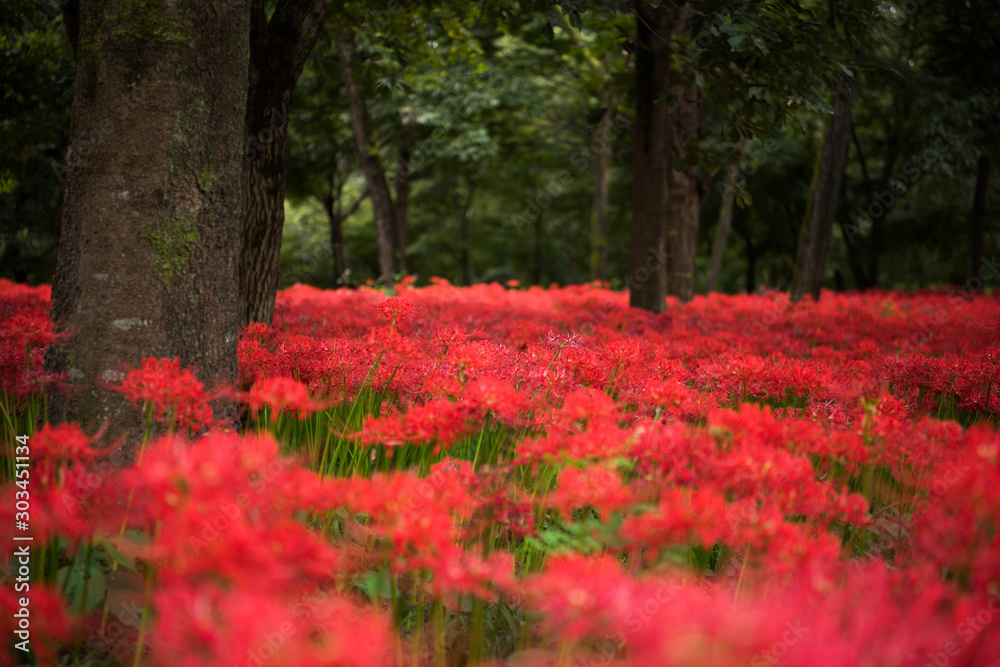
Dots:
{"x": 542, "y": 142}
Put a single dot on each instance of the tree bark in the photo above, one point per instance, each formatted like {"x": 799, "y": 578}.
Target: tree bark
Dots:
{"x": 685, "y": 192}
{"x": 978, "y": 230}
{"x": 648, "y": 284}
{"x": 665, "y": 202}
{"x": 814, "y": 242}
{"x": 722, "y": 228}
{"x": 536, "y": 273}
{"x": 336, "y": 221}
{"x": 403, "y": 193}
{"x": 861, "y": 280}
{"x": 149, "y": 241}
{"x": 602, "y": 185}
{"x": 371, "y": 165}
{"x": 463, "y": 231}
{"x": 278, "y": 52}
{"x": 743, "y": 230}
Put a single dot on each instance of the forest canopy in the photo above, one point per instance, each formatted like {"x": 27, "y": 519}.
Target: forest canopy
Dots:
{"x": 505, "y": 136}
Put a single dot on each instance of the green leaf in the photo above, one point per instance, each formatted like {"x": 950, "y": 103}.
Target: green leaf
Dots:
{"x": 375, "y": 585}
{"x": 115, "y": 554}
{"x": 75, "y": 578}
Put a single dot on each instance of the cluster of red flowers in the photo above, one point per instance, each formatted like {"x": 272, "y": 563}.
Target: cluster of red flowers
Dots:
{"x": 25, "y": 332}
{"x": 738, "y": 481}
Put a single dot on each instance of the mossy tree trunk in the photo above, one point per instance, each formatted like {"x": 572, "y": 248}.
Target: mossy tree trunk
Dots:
{"x": 278, "y": 51}
{"x": 665, "y": 202}
{"x": 150, "y": 232}
{"x": 814, "y": 242}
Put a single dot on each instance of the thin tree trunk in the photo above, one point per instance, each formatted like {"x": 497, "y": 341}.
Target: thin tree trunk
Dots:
{"x": 751, "y": 272}
{"x": 722, "y": 228}
{"x": 371, "y": 165}
{"x": 685, "y": 191}
{"x": 336, "y": 220}
{"x": 278, "y": 52}
{"x": 665, "y": 202}
{"x": 885, "y": 183}
{"x": 403, "y": 193}
{"x": 602, "y": 185}
{"x": 979, "y": 216}
{"x": 463, "y": 228}
{"x": 814, "y": 243}
{"x": 602, "y": 161}
{"x": 861, "y": 279}
{"x": 857, "y": 271}
{"x": 149, "y": 237}
{"x": 536, "y": 277}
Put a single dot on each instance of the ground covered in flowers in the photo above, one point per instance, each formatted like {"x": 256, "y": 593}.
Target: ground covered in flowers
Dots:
{"x": 505, "y": 476}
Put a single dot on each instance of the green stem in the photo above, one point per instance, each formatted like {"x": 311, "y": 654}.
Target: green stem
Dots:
{"x": 440, "y": 654}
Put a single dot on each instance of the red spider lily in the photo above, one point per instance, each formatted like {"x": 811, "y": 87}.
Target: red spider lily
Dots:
{"x": 395, "y": 309}
{"x": 282, "y": 395}
{"x": 439, "y": 421}
{"x": 593, "y": 486}
{"x": 176, "y": 397}
{"x": 44, "y": 618}
{"x": 787, "y": 509}
{"x": 63, "y": 442}
{"x": 209, "y": 625}
{"x": 225, "y": 509}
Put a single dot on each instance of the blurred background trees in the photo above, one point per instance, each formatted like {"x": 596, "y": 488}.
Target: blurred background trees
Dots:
{"x": 505, "y": 134}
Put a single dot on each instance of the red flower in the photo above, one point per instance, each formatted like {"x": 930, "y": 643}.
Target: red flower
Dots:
{"x": 394, "y": 310}
{"x": 176, "y": 396}
{"x": 282, "y": 395}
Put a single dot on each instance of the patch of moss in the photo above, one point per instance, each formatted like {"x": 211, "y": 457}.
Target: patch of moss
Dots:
{"x": 206, "y": 177}
{"x": 184, "y": 137}
{"x": 172, "y": 245}
{"x": 148, "y": 21}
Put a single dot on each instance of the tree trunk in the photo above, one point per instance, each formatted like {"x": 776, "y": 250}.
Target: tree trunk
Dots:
{"x": 722, "y": 229}
{"x": 148, "y": 261}
{"x": 336, "y": 220}
{"x": 463, "y": 230}
{"x": 371, "y": 165}
{"x": 648, "y": 283}
{"x": 684, "y": 192}
{"x": 861, "y": 280}
{"x": 814, "y": 242}
{"x": 665, "y": 203}
{"x": 403, "y": 193}
{"x": 602, "y": 184}
{"x": 752, "y": 253}
{"x": 536, "y": 274}
{"x": 888, "y": 165}
{"x": 278, "y": 52}
{"x": 857, "y": 271}
{"x": 979, "y": 216}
